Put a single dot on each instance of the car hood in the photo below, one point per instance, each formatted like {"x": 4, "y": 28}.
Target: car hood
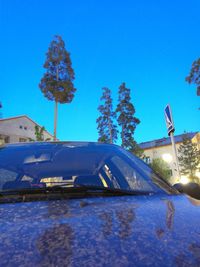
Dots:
{"x": 108, "y": 231}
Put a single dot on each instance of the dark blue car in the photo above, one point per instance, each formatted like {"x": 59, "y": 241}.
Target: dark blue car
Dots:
{"x": 90, "y": 204}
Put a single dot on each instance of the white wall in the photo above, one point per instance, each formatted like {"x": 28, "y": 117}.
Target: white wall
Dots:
{"x": 159, "y": 152}
{"x": 18, "y": 128}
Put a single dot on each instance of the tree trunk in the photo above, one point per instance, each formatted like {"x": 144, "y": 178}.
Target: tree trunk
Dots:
{"x": 55, "y": 120}
{"x": 55, "y": 112}
{"x": 110, "y": 131}
{"x": 122, "y": 136}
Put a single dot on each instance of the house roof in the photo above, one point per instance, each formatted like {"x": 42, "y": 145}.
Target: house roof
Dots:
{"x": 24, "y": 116}
{"x": 166, "y": 141}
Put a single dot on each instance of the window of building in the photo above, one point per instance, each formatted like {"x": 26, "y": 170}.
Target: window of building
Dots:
{"x": 170, "y": 172}
{"x": 21, "y": 127}
{"x": 147, "y": 160}
{"x": 25, "y": 128}
{"x": 22, "y": 139}
{"x": 5, "y": 138}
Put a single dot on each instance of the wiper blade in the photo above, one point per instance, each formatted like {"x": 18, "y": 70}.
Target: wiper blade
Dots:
{"x": 78, "y": 188}
{"x": 115, "y": 190}
{"x": 94, "y": 188}
{"x": 30, "y": 190}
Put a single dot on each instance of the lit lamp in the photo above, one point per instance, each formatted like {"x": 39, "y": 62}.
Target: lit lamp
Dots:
{"x": 197, "y": 174}
{"x": 167, "y": 157}
{"x": 184, "y": 180}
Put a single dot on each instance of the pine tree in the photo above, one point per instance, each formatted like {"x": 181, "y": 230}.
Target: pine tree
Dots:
{"x": 106, "y": 126}
{"x": 194, "y": 76}
{"x": 189, "y": 157}
{"x": 126, "y": 119}
{"x": 137, "y": 150}
{"x": 57, "y": 82}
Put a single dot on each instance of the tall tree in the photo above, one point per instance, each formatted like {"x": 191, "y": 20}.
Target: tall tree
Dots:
{"x": 106, "y": 126}
{"x": 189, "y": 157}
{"x": 126, "y": 118}
{"x": 137, "y": 150}
{"x": 194, "y": 76}
{"x": 57, "y": 82}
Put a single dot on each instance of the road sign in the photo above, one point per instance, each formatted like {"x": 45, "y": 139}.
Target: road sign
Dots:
{"x": 169, "y": 120}
{"x": 171, "y": 129}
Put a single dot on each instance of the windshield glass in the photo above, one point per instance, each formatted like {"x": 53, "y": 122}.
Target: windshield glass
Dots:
{"x": 44, "y": 165}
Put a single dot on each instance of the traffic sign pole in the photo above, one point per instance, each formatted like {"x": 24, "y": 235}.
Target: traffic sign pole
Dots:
{"x": 0, "y": 110}
{"x": 171, "y": 129}
{"x": 175, "y": 155}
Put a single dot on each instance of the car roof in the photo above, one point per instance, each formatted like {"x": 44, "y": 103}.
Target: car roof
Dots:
{"x": 66, "y": 143}
{"x": 74, "y": 143}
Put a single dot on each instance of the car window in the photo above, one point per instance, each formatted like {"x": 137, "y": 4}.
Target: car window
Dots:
{"x": 47, "y": 165}
{"x": 6, "y": 176}
{"x": 110, "y": 176}
{"x": 133, "y": 178}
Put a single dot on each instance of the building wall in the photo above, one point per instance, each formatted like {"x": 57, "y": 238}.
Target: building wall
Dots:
{"x": 166, "y": 153}
{"x": 196, "y": 139}
{"x": 19, "y": 130}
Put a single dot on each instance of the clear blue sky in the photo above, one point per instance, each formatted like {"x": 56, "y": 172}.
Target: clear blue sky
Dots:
{"x": 150, "y": 45}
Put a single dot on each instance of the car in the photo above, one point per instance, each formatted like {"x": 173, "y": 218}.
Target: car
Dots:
{"x": 191, "y": 188}
{"x": 91, "y": 204}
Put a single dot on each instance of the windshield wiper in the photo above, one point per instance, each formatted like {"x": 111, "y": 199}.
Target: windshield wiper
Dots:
{"x": 94, "y": 188}
{"x": 77, "y": 189}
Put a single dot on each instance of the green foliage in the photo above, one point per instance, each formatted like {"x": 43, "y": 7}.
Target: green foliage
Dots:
{"x": 161, "y": 167}
{"x": 57, "y": 82}
{"x": 189, "y": 157}
{"x": 126, "y": 119}
{"x": 194, "y": 76}
{"x": 106, "y": 126}
{"x": 136, "y": 150}
{"x": 39, "y": 134}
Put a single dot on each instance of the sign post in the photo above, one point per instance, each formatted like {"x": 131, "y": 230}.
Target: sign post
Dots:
{"x": 0, "y": 110}
{"x": 171, "y": 130}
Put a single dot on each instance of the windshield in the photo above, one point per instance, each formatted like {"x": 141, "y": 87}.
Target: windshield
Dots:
{"x": 45, "y": 165}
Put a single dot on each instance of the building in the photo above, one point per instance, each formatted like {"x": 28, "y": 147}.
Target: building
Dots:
{"x": 162, "y": 148}
{"x": 19, "y": 129}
